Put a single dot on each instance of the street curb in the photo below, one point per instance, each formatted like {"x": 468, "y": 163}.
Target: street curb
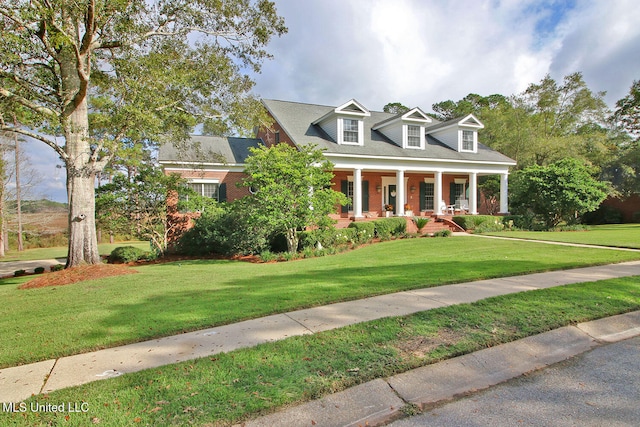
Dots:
{"x": 381, "y": 401}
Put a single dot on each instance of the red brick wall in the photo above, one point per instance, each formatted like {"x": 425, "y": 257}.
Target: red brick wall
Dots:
{"x": 628, "y": 206}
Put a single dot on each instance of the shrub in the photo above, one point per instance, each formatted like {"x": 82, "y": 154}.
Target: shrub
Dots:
{"x": 330, "y": 237}
{"x": 389, "y": 227}
{"x": 19, "y": 273}
{"x": 489, "y": 226}
{"x": 522, "y": 222}
{"x": 57, "y": 267}
{"x": 127, "y": 254}
{"x": 442, "y": 233}
{"x": 228, "y": 232}
{"x": 636, "y": 217}
{"x": 364, "y": 231}
{"x": 268, "y": 256}
{"x": 470, "y": 222}
{"x": 420, "y": 222}
{"x": 38, "y": 270}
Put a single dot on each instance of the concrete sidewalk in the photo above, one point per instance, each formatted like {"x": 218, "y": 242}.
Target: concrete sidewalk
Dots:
{"x": 18, "y": 383}
{"x": 8, "y": 268}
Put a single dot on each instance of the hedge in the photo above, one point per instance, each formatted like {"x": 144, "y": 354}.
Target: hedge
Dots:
{"x": 388, "y": 227}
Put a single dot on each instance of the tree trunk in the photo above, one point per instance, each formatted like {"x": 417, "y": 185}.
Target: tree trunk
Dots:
{"x": 83, "y": 242}
{"x": 292, "y": 240}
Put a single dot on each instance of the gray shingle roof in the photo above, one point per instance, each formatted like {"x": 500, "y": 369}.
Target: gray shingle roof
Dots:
{"x": 296, "y": 120}
{"x": 209, "y": 149}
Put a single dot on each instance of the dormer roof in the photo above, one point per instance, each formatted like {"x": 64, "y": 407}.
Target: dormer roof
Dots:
{"x": 415, "y": 115}
{"x": 349, "y": 108}
{"x": 469, "y": 121}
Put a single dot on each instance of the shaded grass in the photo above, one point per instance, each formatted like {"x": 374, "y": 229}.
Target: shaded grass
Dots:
{"x": 616, "y": 235}
{"x": 61, "y": 251}
{"x": 166, "y": 299}
{"x": 232, "y": 387}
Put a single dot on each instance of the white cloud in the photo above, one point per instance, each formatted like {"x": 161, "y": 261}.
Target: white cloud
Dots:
{"x": 420, "y": 52}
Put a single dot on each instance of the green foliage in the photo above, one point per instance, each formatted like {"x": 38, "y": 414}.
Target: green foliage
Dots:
{"x": 331, "y": 238}
{"x": 603, "y": 215}
{"x": 230, "y": 230}
{"x": 138, "y": 206}
{"x": 364, "y": 231}
{"x": 57, "y": 267}
{"x": 390, "y": 227}
{"x": 420, "y": 222}
{"x": 293, "y": 190}
{"x": 395, "y": 108}
{"x": 128, "y": 254}
{"x": 442, "y": 233}
{"x": 490, "y": 226}
{"x": 470, "y": 222}
{"x": 19, "y": 273}
{"x": 39, "y": 270}
{"x": 562, "y": 191}
{"x": 627, "y": 114}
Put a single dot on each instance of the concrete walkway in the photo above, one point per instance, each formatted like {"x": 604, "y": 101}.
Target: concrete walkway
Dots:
{"x": 18, "y": 383}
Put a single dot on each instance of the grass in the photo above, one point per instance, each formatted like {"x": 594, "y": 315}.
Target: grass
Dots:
{"x": 617, "y": 235}
{"x": 165, "y": 299}
{"x": 61, "y": 251}
{"x": 228, "y": 388}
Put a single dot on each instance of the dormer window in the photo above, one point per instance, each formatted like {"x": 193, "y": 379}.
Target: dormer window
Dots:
{"x": 468, "y": 140}
{"x": 405, "y": 129}
{"x": 350, "y": 131}
{"x": 414, "y": 139}
{"x": 345, "y": 123}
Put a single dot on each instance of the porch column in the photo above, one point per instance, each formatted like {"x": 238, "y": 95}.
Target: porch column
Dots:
{"x": 400, "y": 197}
{"x": 473, "y": 193}
{"x": 437, "y": 193}
{"x": 504, "y": 193}
{"x": 357, "y": 193}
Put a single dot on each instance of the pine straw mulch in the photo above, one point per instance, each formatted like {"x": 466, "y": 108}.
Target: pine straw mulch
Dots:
{"x": 77, "y": 274}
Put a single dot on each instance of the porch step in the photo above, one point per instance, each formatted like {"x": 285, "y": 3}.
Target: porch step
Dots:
{"x": 435, "y": 224}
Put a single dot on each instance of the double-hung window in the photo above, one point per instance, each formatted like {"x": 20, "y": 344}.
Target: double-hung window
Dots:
{"x": 350, "y": 131}
{"x": 467, "y": 140}
{"x": 205, "y": 189}
{"x": 413, "y": 136}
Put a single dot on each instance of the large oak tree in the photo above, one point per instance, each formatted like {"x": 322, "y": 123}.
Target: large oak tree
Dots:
{"x": 100, "y": 74}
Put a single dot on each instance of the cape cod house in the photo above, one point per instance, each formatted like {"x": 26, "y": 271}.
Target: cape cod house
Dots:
{"x": 408, "y": 164}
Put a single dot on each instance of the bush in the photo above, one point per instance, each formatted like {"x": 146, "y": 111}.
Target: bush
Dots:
{"x": 228, "y": 232}
{"x": 19, "y": 273}
{"x": 330, "y": 237}
{"x": 390, "y": 227}
{"x": 522, "y": 222}
{"x": 442, "y": 233}
{"x": 364, "y": 231}
{"x": 128, "y": 254}
{"x": 38, "y": 270}
{"x": 57, "y": 267}
{"x": 470, "y": 222}
{"x": 635, "y": 217}
{"x": 603, "y": 215}
{"x": 489, "y": 226}
{"x": 420, "y": 222}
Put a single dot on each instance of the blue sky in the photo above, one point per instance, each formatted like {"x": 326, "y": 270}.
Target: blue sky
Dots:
{"x": 419, "y": 52}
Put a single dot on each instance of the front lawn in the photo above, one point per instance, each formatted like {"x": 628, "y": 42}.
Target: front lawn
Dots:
{"x": 170, "y": 298}
{"x": 61, "y": 251}
{"x": 617, "y": 235}
{"x": 228, "y": 388}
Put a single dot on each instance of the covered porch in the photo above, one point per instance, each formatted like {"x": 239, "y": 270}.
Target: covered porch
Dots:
{"x": 377, "y": 193}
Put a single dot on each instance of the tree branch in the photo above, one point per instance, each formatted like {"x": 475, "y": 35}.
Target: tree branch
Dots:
{"x": 4, "y": 93}
{"x": 38, "y": 137}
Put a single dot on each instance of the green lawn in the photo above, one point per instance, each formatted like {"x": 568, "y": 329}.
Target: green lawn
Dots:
{"x": 61, "y": 251}
{"x": 226, "y": 389}
{"x": 165, "y": 299}
{"x": 618, "y": 235}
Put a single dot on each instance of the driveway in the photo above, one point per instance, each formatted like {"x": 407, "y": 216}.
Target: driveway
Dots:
{"x": 9, "y": 267}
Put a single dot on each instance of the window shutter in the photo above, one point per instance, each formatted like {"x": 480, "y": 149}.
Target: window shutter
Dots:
{"x": 222, "y": 192}
{"x": 344, "y": 187}
{"x": 452, "y": 193}
{"x": 365, "y": 196}
{"x": 423, "y": 193}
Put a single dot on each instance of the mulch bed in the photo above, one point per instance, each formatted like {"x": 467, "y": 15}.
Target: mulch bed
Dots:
{"x": 77, "y": 274}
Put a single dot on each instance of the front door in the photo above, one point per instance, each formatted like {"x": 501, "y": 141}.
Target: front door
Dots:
{"x": 391, "y": 197}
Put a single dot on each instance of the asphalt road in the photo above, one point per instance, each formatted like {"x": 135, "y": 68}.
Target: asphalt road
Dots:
{"x": 597, "y": 388}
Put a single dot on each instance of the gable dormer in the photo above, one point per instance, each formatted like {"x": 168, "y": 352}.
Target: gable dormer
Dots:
{"x": 407, "y": 129}
{"x": 461, "y": 134}
{"x": 345, "y": 124}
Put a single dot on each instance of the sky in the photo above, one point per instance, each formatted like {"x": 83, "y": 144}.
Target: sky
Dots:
{"x": 420, "y": 52}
